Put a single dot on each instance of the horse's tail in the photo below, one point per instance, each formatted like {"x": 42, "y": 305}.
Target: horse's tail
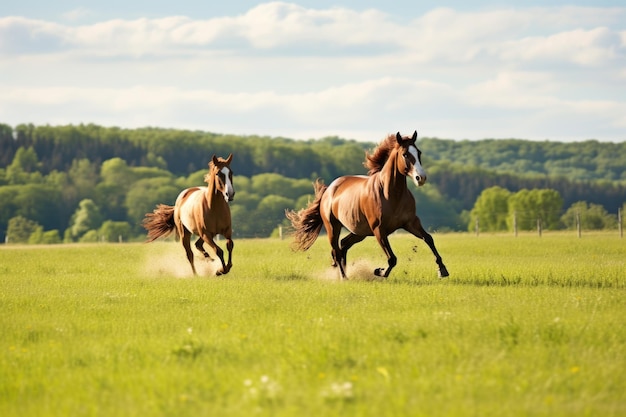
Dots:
{"x": 159, "y": 223}
{"x": 308, "y": 221}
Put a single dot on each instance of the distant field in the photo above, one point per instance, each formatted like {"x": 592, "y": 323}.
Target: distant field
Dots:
{"x": 528, "y": 326}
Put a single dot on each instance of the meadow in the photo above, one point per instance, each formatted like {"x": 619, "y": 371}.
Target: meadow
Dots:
{"x": 524, "y": 326}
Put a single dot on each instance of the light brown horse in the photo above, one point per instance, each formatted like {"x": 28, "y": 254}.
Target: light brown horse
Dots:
{"x": 373, "y": 205}
{"x": 200, "y": 211}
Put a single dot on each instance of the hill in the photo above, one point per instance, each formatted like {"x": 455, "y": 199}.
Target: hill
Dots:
{"x": 46, "y": 173}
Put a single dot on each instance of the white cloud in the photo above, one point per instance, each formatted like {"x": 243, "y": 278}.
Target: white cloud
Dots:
{"x": 583, "y": 47}
{"x": 284, "y": 69}
{"x": 442, "y": 34}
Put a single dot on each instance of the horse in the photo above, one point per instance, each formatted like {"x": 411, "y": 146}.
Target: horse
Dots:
{"x": 201, "y": 211}
{"x": 374, "y": 205}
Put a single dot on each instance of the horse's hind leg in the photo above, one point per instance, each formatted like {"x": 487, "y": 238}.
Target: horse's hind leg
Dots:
{"x": 417, "y": 230}
{"x": 200, "y": 247}
{"x": 347, "y": 242}
{"x": 333, "y": 231}
{"x": 186, "y": 240}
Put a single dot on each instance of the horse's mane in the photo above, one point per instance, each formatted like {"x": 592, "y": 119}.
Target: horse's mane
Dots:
{"x": 210, "y": 178}
{"x": 374, "y": 161}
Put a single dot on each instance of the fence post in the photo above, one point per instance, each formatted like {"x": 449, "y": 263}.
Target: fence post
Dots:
{"x": 515, "y": 223}
{"x": 619, "y": 222}
{"x": 539, "y": 226}
{"x": 578, "y": 223}
{"x": 476, "y": 228}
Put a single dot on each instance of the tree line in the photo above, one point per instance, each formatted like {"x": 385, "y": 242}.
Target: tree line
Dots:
{"x": 88, "y": 182}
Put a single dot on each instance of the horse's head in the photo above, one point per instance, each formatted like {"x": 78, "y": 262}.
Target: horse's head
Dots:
{"x": 409, "y": 159}
{"x": 219, "y": 169}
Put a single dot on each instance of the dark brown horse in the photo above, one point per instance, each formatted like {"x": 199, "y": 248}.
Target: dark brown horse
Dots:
{"x": 373, "y": 205}
{"x": 200, "y": 211}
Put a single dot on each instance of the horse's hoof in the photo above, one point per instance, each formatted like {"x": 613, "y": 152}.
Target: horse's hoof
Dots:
{"x": 443, "y": 272}
{"x": 379, "y": 272}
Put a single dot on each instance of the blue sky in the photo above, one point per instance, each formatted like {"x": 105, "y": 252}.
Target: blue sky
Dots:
{"x": 307, "y": 69}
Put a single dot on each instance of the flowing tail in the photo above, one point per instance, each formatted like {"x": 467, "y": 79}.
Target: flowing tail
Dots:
{"x": 159, "y": 223}
{"x": 308, "y": 221}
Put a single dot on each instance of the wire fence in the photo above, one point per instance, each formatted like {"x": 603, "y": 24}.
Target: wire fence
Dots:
{"x": 539, "y": 221}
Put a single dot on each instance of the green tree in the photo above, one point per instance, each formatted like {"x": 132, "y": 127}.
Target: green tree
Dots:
{"x": 110, "y": 194}
{"x": 145, "y": 194}
{"x": 87, "y": 217}
{"x": 435, "y": 212}
{"x": 270, "y": 213}
{"x": 303, "y": 201}
{"x": 90, "y": 237}
{"x": 246, "y": 199}
{"x": 39, "y": 236}
{"x": 242, "y": 221}
{"x": 41, "y": 203}
{"x": 491, "y": 209}
{"x": 112, "y": 231}
{"x": 25, "y": 167}
{"x": 7, "y": 207}
{"x": 116, "y": 171}
{"x": 591, "y": 217}
{"x": 83, "y": 176}
{"x": 20, "y": 228}
{"x": 527, "y": 207}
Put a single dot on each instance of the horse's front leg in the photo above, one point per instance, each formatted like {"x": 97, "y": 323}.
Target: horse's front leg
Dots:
{"x": 229, "y": 246}
{"x": 392, "y": 260}
{"x": 218, "y": 251}
{"x": 415, "y": 228}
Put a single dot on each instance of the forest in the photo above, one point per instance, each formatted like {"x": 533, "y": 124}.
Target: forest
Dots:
{"x": 93, "y": 183}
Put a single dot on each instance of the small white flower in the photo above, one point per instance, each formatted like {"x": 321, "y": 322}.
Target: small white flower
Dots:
{"x": 339, "y": 391}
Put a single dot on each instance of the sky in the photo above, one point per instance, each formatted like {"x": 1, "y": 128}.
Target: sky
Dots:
{"x": 473, "y": 69}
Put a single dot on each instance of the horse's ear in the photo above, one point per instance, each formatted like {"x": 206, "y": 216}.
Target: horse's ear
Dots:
{"x": 214, "y": 160}
{"x": 414, "y": 136}
{"x": 230, "y": 158}
{"x": 399, "y": 138}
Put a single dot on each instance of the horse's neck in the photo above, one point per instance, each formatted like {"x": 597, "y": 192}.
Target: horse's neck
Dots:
{"x": 394, "y": 183}
{"x": 211, "y": 191}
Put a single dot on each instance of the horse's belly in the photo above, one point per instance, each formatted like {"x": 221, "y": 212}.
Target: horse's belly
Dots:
{"x": 358, "y": 228}
{"x": 347, "y": 209}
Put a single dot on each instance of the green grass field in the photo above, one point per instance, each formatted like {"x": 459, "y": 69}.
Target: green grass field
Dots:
{"x": 526, "y": 326}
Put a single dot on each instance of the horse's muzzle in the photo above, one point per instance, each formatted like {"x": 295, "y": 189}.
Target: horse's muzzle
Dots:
{"x": 420, "y": 180}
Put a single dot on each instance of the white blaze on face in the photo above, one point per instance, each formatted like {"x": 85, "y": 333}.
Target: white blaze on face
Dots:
{"x": 417, "y": 173}
{"x": 229, "y": 190}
